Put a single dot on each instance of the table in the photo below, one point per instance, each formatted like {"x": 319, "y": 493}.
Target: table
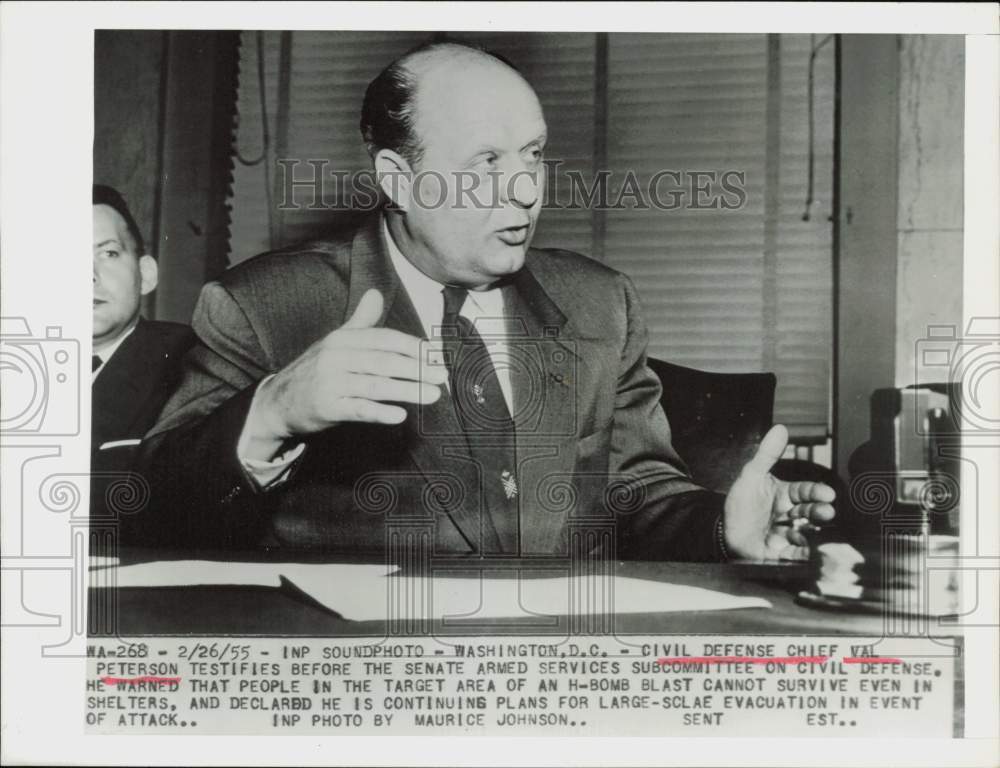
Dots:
{"x": 256, "y": 610}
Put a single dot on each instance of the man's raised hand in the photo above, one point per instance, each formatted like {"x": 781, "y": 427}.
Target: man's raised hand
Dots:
{"x": 760, "y": 509}
{"x": 350, "y": 375}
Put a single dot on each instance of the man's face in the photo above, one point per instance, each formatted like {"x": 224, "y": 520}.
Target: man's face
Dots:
{"x": 121, "y": 276}
{"x": 482, "y": 133}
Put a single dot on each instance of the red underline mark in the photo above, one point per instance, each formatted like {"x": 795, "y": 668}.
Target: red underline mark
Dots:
{"x": 871, "y": 660}
{"x": 132, "y": 680}
{"x": 776, "y": 660}
{"x": 743, "y": 660}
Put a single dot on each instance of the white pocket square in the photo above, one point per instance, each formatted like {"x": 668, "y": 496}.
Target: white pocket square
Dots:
{"x": 119, "y": 444}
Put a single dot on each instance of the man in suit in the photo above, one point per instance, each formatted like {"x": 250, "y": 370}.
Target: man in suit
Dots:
{"x": 431, "y": 369}
{"x": 136, "y": 363}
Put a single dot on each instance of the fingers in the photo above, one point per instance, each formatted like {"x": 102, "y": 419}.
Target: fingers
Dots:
{"x": 796, "y": 537}
{"x": 366, "y": 336}
{"x": 381, "y": 388}
{"x": 805, "y": 491}
{"x": 797, "y": 553}
{"x": 770, "y": 449}
{"x": 362, "y": 333}
{"x": 381, "y": 340}
{"x": 359, "y": 409}
{"x": 789, "y": 534}
{"x": 814, "y": 512}
{"x": 393, "y": 365}
{"x": 785, "y": 546}
{"x": 353, "y": 372}
{"x": 368, "y": 312}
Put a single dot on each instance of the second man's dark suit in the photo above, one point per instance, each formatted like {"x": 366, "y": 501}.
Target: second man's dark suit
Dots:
{"x": 126, "y": 399}
{"x": 593, "y": 445}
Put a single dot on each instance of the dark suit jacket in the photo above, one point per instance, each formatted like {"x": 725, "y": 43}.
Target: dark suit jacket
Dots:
{"x": 593, "y": 445}
{"x": 127, "y": 397}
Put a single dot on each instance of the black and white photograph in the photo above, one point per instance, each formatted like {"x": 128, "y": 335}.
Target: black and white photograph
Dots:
{"x": 462, "y": 377}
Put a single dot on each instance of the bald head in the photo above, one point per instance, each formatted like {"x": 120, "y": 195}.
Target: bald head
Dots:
{"x": 425, "y": 81}
{"x": 457, "y": 139}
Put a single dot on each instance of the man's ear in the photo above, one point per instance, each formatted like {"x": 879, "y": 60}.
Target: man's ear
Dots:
{"x": 394, "y": 177}
{"x": 149, "y": 273}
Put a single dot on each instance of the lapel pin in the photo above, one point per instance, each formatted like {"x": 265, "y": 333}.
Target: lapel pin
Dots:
{"x": 509, "y": 484}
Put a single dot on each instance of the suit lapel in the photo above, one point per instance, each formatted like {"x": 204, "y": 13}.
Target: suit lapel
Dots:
{"x": 371, "y": 268}
{"x": 123, "y": 386}
{"x": 433, "y": 433}
{"x": 544, "y": 379}
{"x": 545, "y": 402}
{"x": 544, "y": 359}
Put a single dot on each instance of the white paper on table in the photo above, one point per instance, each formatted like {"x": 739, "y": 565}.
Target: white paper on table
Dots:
{"x": 361, "y": 592}
{"x": 491, "y": 598}
{"x": 190, "y": 573}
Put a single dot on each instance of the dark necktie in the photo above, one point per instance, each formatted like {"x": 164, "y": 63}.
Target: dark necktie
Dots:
{"x": 485, "y": 418}
{"x": 95, "y": 363}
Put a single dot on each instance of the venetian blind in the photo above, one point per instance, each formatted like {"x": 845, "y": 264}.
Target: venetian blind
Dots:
{"x": 731, "y": 290}
{"x": 737, "y": 290}
{"x": 312, "y": 116}
{"x": 249, "y": 199}
{"x": 560, "y": 67}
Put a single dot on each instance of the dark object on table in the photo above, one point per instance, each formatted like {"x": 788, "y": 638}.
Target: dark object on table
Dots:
{"x": 907, "y": 475}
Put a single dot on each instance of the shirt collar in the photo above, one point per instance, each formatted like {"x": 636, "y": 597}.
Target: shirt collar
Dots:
{"x": 106, "y": 353}
{"x": 425, "y": 292}
{"x": 412, "y": 278}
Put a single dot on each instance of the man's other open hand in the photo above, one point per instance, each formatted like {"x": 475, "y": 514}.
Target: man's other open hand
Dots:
{"x": 760, "y": 510}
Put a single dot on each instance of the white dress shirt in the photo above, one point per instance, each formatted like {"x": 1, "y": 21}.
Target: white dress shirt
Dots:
{"x": 107, "y": 351}
{"x": 484, "y": 309}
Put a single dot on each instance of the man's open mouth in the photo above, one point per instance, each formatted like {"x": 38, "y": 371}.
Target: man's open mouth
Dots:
{"x": 514, "y": 235}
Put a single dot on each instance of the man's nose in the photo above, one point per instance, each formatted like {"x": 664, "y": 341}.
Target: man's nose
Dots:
{"x": 520, "y": 188}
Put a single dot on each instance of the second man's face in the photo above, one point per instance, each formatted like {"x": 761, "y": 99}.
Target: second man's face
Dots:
{"x": 477, "y": 192}
{"x": 121, "y": 276}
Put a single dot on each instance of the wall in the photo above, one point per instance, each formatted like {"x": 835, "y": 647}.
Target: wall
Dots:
{"x": 865, "y": 264}
{"x": 163, "y": 110}
{"x": 128, "y": 77}
{"x": 899, "y": 256}
{"x": 930, "y": 198}
{"x": 199, "y": 97}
